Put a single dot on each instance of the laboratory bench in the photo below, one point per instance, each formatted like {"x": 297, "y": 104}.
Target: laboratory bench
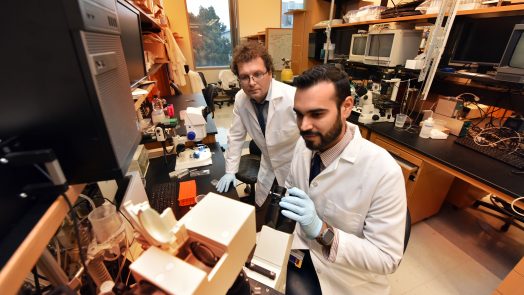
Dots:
{"x": 431, "y": 165}
{"x": 180, "y": 103}
{"x": 158, "y": 173}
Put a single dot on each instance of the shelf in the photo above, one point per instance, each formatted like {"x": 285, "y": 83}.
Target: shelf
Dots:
{"x": 28, "y": 252}
{"x": 295, "y": 11}
{"x": 484, "y": 12}
{"x": 155, "y": 67}
{"x": 141, "y": 98}
{"x": 148, "y": 23}
{"x": 257, "y": 36}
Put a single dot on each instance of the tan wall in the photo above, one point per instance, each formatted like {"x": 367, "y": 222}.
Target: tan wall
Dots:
{"x": 176, "y": 12}
{"x": 211, "y": 75}
{"x": 257, "y": 15}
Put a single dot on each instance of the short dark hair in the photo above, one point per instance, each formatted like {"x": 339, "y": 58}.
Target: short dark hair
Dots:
{"x": 249, "y": 51}
{"x": 327, "y": 73}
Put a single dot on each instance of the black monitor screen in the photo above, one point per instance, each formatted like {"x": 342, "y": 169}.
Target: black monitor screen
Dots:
{"x": 381, "y": 45}
{"x": 482, "y": 40}
{"x": 342, "y": 40}
{"x": 517, "y": 58}
{"x": 131, "y": 36}
{"x": 359, "y": 45}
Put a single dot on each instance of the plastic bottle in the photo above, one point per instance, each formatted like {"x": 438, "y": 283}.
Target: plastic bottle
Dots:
{"x": 157, "y": 116}
{"x": 425, "y": 132}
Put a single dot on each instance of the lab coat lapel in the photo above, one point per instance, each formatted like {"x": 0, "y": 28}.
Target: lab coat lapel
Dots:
{"x": 274, "y": 101}
{"x": 251, "y": 111}
{"x": 306, "y": 162}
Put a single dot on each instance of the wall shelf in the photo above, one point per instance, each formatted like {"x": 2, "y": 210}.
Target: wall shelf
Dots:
{"x": 148, "y": 23}
{"x": 483, "y": 12}
{"x": 140, "y": 99}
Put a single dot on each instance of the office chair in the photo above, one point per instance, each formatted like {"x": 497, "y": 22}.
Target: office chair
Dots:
{"x": 210, "y": 93}
{"x": 248, "y": 170}
{"x": 229, "y": 85}
{"x": 501, "y": 206}
{"x": 203, "y": 78}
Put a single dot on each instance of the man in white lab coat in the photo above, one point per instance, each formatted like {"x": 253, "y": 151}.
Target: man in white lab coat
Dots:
{"x": 264, "y": 110}
{"x": 346, "y": 193}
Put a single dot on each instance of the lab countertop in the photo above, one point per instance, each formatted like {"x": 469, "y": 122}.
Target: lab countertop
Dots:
{"x": 158, "y": 172}
{"x": 466, "y": 161}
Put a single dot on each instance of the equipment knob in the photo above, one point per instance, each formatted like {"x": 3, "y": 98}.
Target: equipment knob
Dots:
{"x": 191, "y": 135}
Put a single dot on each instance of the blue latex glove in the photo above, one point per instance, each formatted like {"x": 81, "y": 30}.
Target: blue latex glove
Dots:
{"x": 302, "y": 209}
{"x": 224, "y": 182}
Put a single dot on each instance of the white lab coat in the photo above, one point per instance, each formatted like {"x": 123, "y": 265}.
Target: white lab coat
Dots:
{"x": 362, "y": 195}
{"x": 277, "y": 146}
{"x": 177, "y": 59}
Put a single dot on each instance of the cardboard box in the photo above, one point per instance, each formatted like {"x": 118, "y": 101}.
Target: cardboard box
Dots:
{"x": 414, "y": 64}
{"x": 455, "y": 126}
{"x": 449, "y": 107}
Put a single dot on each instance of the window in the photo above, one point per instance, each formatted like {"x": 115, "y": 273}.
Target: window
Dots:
{"x": 287, "y": 20}
{"x": 211, "y": 33}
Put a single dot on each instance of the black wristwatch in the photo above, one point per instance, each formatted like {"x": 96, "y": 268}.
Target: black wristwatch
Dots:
{"x": 326, "y": 237}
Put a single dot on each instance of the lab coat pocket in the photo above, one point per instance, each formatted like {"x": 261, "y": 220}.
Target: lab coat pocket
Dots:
{"x": 282, "y": 135}
{"x": 343, "y": 219}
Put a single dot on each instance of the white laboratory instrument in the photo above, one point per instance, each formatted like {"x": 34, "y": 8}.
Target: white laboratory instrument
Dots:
{"x": 271, "y": 255}
{"x": 195, "y": 124}
{"x": 202, "y": 253}
{"x": 193, "y": 157}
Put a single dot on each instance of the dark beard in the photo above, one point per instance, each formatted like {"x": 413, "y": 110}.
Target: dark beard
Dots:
{"x": 325, "y": 139}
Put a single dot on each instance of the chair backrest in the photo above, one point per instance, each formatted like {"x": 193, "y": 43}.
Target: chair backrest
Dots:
{"x": 227, "y": 78}
{"x": 253, "y": 149}
{"x": 209, "y": 95}
{"x": 203, "y": 78}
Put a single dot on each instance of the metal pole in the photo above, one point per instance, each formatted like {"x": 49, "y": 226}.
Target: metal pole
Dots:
{"x": 328, "y": 32}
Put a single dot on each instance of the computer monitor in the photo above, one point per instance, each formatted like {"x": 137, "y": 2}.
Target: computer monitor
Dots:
{"x": 511, "y": 66}
{"x": 315, "y": 44}
{"x": 131, "y": 36}
{"x": 67, "y": 90}
{"x": 357, "y": 49}
{"x": 342, "y": 40}
{"x": 481, "y": 41}
{"x": 391, "y": 47}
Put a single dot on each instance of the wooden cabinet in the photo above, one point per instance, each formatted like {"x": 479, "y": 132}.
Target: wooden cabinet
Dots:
{"x": 303, "y": 22}
{"x": 426, "y": 185}
{"x": 513, "y": 282}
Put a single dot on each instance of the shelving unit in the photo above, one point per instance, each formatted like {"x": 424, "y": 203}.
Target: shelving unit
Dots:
{"x": 141, "y": 98}
{"x": 260, "y": 37}
{"x": 483, "y": 12}
{"x": 149, "y": 24}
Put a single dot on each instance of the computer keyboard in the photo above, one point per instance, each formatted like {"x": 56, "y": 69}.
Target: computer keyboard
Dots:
{"x": 515, "y": 159}
{"x": 163, "y": 195}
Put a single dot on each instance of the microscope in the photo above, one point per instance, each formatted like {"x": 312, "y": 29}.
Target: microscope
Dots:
{"x": 379, "y": 109}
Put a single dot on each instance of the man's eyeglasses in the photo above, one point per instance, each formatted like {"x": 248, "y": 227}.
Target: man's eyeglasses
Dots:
{"x": 245, "y": 79}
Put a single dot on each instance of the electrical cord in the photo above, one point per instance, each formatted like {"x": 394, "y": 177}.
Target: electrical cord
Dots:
{"x": 118, "y": 275}
{"x": 77, "y": 235}
{"x": 513, "y": 205}
{"x": 487, "y": 136}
